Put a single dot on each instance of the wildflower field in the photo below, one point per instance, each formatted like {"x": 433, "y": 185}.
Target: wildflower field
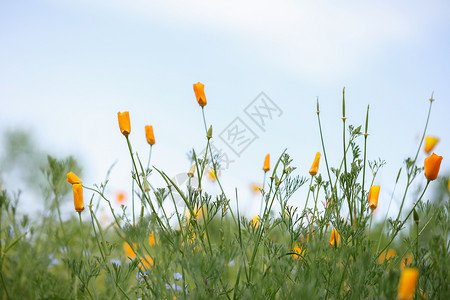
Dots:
{"x": 205, "y": 247}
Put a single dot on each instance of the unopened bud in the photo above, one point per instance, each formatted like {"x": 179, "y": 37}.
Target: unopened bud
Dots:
{"x": 209, "y": 134}
{"x": 146, "y": 184}
{"x": 191, "y": 171}
{"x": 416, "y": 216}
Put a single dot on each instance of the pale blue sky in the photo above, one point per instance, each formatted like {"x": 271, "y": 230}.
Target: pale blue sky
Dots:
{"x": 67, "y": 68}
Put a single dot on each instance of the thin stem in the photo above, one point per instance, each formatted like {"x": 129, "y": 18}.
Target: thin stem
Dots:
{"x": 401, "y": 225}
{"x": 364, "y": 166}
{"x": 82, "y": 236}
{"x": 149, "y": 156}
{"x": 262, "y": 193}
{"x": 307, "y": 197}
{"x": 323, "y": 145}
{"x": 417, "y": 154}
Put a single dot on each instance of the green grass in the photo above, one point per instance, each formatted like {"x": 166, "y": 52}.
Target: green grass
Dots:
{"x": 222, "y": 254}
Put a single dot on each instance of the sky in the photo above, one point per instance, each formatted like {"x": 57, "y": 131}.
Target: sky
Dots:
{"x": 68, "y": 66}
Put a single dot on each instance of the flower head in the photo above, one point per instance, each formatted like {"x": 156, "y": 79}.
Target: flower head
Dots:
{"x": 255, "y": 221}
{"x": 199, "y": 90}
{"x": 78, "y": 197}
{"x": 124, "y": 122}
{"x": 298, "y": 249}
{"x": 315, "y": 166}
{"x": 430, "y": 142}
{"x": 407, "y": 283}
{"x": 149, "y": 135}
{"x": 266, "y": 166}
{"x": 151, "y": 239}
{"x": 72, "y": 178}
{"x": 373, "y": 196}
{"x": 335, "y": 238}
{"x": 130, "y": 251}
{"x": 432, "y": 165}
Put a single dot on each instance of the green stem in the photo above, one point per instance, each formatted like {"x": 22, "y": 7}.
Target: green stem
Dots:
{"x": 262, "y": 194}
{"x": 82, "y": 236}
{"x": 323, "y": 145}
{"x": 401, "y": 225}
{"x": 417, "y": 154}
{"x": 364, "y": 166}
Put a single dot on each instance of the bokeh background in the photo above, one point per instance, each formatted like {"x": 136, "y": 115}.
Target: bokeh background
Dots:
{"x": 68, "y": 66}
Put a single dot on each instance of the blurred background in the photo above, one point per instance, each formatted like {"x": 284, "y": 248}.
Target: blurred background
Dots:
{"x": 67, "y": 67}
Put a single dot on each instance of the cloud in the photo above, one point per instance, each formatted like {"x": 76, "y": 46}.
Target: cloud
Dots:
{"x": 318, "y": 38}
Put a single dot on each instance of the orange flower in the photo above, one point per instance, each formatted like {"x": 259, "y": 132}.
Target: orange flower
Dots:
{"x": 146, "y": 262}
{"x": 432, "y": 165}
{"x": 315, "y": 165}
{"x": 430, "y": 142}
{"x": 149, "y": 134}
{"x": 121, "y": 197}
{"x": 78, "y": 197}
{"x": 151, "y": 239}
{"x": 124, "y": 122}
{"x": 373, "y": 196}
{"x": 406, "y": 261}
{"x": 199, "y": 90}
{"x": 266, "y": 166}
{"x": 72, "y": 178}
{"x": 299, "y": 250}
{"x": 255, "y": 188}
{"x": 390, "y": 253}
{"x": 335, "y": 238}
{"x": 407, "y": 283}
{"x": 130, "y": 250}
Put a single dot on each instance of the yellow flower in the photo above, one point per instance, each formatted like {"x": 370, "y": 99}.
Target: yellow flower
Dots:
{"x": 149, "y": 134}
{"x": 299, "y": 250}
{"x": 211, "y": 175}
{"x": 315, "y": 165}
{"x": 199, "y": 90}
{"x": 266, "y": 166}
{"x": 432, "y": 165}
{"x": 407, "y": 283}
{"x": 78, "y": 197}
{"x": 72, "y": 178}
{"x": 191, "y": 171}
{"x": 151, "y": 239}
{"x": 335, "y": 238}
{"x": 255, "y": 221}
{"x": 373, "y": 196}
{"x": 430, "y": 142}
{"x": 124, "y": 122}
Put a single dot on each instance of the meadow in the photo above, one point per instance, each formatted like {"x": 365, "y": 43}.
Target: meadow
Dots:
{"x": 205, "y": 248}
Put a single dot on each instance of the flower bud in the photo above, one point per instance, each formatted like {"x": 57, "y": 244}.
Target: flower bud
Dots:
{"x": 432, "y": 165}
{"x": 209, "y": 133}
{"x": 191, "y": 171}
{"x": 78, "y": 197}
{"x": 149, "y": 135}
{"x": 124, "y": 122}
{"x": 335, "y": 238}
{"x": 315, "y": 166}
{"x": 199, "y": 90}
{"x": 72, "y": 178}
{"x": 266, "y": 166}
{"x": 407, "y": 283}
{"x": 430, "y": 142}
{"x": 373, "y": 196}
